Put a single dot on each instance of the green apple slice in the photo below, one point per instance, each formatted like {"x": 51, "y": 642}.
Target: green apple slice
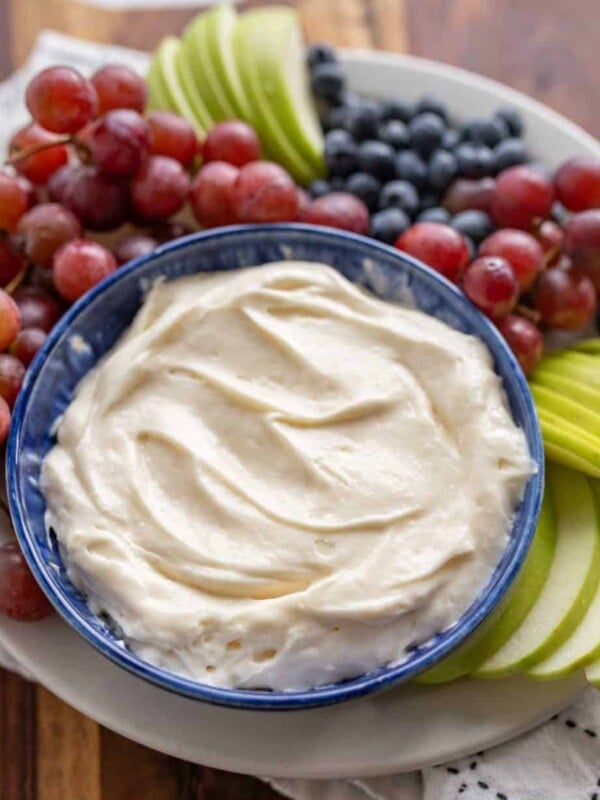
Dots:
{"x": 568, "y": 444}
{"x": 583, "y": 645}
{"x": 570, "y": 364}
{"x": 246, "y": 42}
{"x": 567, "y": 408}
{"x": 513, "y": 609}
{"x": 591, "y": 346}
{"x": 158, "y": 96}
{"x": 194, "y": 49}
{"x": 575, "y": 390}
{"x": 592, "y": 673}
{"x": 164, "y": 70}
{"x": 280, "y": 62}
{"x": 571, "y": 583}
{"x": 220, "y": 26}
{"x": 182, "y": 86}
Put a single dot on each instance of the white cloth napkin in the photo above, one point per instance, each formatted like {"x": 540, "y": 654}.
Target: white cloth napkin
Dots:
{"x": 559, "y": 761}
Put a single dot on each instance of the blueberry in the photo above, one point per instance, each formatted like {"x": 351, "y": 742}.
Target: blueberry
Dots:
{"x": 394, "y": 133}
{"x": 400, "y": 194}
{"x": 486, "y": 160}
{"x": 430, "y": 102}
{"x": 320, "y": 54}
{"x": 340, "y": 152}
{"x": 429, "y": 200}
{"x": 486, "y": 131}
{"x": 435, "y": 214}
{"x": 318, "y": 188}
{"x": 477, "y": 225}
{"x": 363, "y": 119}
{"x": 450, "y": 139}
{"x": 411, "y": 167}
{"x": 337, "y": 116}
{"x": 388, "y": 224}
{"x": 365, "y": 187}
{"x": 474, "y": 160}
{"x": 559, "y": 214}
{"x": 328, "y": 82}
{"x": 337, "y": 184}
{"x": 512, "y": 119}
{"x": 398, "y": 109}
{"x": 441, "y": 169}
{"x": 510, "y": 152}
{"x": 426, "y": 132}
{"x": 376, "y": 158}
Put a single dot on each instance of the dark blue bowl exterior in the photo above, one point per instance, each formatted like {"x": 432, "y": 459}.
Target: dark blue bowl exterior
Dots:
{"x": 101, "y": 316}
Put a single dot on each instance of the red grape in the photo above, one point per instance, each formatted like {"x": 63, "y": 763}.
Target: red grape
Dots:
{"x": 211, "y": 195}
{"x": 37, "y": 308}
{"x": 304, "y": 200}
{"x": 13, "y": 202}
{"x": 232, "y": 141}
{"x": 33, "y": 194}
{"x": 520, "y": 249}
{"x": 566, "y": 300}
{"x": 582, "y": 243}
{"x": 337, "y": 210}
{"x": 160, "y": 188}
{"x": 491, "y": 284}
{"x": 437, "y": 245}
{"x": 119, "y": 142}
{"x": 4, "y": 420}
{"x": 39, "y": 166}
{"x": 524, "y": 339}
{"x": 12, "y": 373}
{"x": 27, "y": 343}
{"x": 173, "y": 136}
{"x": 523, "y": 195}
{"x": 10, "y": 320}
{"x": 11, "y": 262}
{"x": 61, "y": 100}
{"x": 465, "y": 194}
{"x": 264, "y": 192}
{"x": 40, "y": 278}
{"x": 118, "y": 86}
{"x": 133, "y": 247}
{"x": 20, "y": 596}
{"x": 577, "y": 183}
{"x": 44, "y": 229}
{"x": 97, "y": 199}
{"x": 551, "y": 237}
{"x": 79, "y": 265}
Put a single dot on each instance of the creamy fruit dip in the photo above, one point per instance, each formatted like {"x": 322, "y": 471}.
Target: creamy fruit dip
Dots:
{"x": 277, "y": 480}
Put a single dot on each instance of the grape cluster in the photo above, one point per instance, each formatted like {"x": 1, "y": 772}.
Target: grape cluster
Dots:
{"x": 401, "y": 157}
{"x": 523, "y": 244}
{"x": 530, "y": 274}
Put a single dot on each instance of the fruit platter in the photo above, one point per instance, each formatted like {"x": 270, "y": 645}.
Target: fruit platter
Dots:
{"x": 503, "y": 203}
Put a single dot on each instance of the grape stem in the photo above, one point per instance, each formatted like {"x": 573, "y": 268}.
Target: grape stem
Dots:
{"x": 17, "y": 280}
{"x": 19, "y": 155}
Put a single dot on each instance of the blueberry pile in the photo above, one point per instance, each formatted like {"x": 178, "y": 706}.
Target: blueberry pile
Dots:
{"x": 400, "y": 157}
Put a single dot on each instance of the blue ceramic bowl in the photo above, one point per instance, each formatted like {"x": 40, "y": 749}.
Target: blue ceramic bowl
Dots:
{"x": 100, "y": 317}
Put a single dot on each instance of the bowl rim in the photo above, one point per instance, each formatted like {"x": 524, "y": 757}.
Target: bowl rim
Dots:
{"x": 376, "y": 680}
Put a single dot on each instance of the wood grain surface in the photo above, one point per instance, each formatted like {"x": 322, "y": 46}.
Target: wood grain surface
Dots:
{"x": 48, "y": 751}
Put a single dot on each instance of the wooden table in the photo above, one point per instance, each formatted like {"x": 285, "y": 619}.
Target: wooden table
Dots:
{"x": 49, "y": 751}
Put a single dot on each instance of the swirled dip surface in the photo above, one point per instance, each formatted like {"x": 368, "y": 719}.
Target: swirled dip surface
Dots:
{"x": 276, "y": 480}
